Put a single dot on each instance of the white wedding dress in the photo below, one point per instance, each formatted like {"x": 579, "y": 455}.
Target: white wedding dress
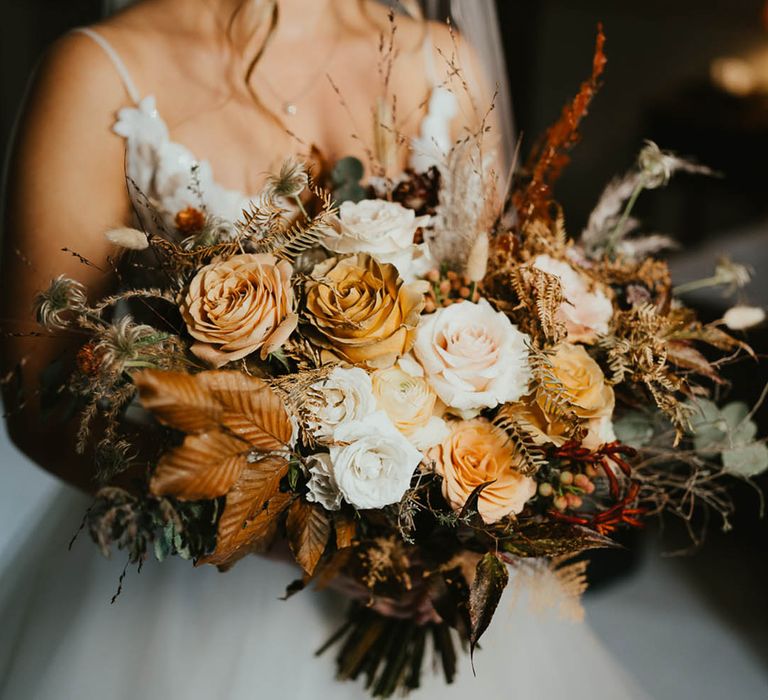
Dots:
{"x": 194, "y": 634}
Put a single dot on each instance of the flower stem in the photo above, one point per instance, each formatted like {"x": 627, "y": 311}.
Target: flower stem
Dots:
{"x": 692, "y": 286}
{"x": 618, "y": 232}
{"x": 298, "y": 201}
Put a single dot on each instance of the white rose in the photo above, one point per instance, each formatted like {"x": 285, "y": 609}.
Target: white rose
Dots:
{"x": 585, "y": 314}
{"x": 410, "y": 404}
{"x": 384, "y": 230}
{"x": 599, "y": 432}
{"x": 322, "y": 485}
{"x": 473, "y": 357}
{"x": 373, "y": 463}
{"x": 345, "y": 396}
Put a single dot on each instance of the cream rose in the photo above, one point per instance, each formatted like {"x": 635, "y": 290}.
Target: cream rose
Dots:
{"x": 372, "y": 462}
{"x": 589, "y": 394}
{"x": 585, "y": 314}
{"x": 322, "y": 486}
{"x": 411, "y": 405}
{"x": 473, "y": 357}
{"x": 384, "y": 230}
{"x": 237, "y": 306}
{"x": 345, "y": 396}
{"x": 361, "y": 311}
{"x": 477, "y": 452}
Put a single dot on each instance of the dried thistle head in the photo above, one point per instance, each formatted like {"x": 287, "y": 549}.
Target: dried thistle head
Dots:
{"x": 732, "y": 275}
{"x": 63, "y": 296}
{"x": 124, "y": 345}
{"x": 657, "y": 166}
{"x": 290, "y": 181}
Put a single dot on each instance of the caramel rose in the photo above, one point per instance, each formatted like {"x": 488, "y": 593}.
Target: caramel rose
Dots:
{"x": 583, "y": 380}
{"x": 476, "y": 452}
{"x": 361, "y": 311}
{"x": 237, "y": 306}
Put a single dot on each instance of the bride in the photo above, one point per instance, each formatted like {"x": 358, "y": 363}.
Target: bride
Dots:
{"x": 224, "y": 88}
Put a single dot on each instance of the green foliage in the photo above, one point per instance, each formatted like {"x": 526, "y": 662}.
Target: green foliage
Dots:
{"x": 346, "y": 176}
{"x": 730, "y": 433}
{"x": 135, "y": 524}
{"x": 635, "y": 429}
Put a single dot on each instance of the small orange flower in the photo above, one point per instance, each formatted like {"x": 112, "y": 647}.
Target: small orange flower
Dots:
{"x": 190, "y": 220}
{"x": 88, "y": 361}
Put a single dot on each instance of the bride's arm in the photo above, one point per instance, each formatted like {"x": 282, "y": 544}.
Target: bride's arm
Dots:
{"x": 65, "y": 188}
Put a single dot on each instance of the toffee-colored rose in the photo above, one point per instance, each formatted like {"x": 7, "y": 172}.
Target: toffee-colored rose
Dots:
{"x": 361, "y": 311}
{"x": 237, "y": 306}
{"x": 477, "y": 452}
{"x": 589, "y": 394}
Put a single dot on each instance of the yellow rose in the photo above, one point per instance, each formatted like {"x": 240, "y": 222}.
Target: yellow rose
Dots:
{"x": 361, "y": 311}
{"x": 410, "y": 404}
{"x": 237, "y": 306}
{"x": 477, "y": 452}
{"x": 589, "y": 394}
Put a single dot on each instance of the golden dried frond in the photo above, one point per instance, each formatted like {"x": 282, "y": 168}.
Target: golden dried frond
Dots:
{"x": 637, "y": 352}
{"x": 539, "y": 296}
{"x": 556, "y": 401}
{"x": 289, "y": 240}
{"x": 650, "y": 272}
{"x": 296, "y": 392}
{"x": 530, "y": 454}
{"x": 541, "y": 236}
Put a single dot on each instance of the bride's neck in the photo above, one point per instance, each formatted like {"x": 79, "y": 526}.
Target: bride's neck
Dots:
{"x": 297, "y": 18}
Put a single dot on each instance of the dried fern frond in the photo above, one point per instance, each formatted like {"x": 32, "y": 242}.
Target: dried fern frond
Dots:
{"x": 531, "y": 456}
{"x": 289, "y": 242}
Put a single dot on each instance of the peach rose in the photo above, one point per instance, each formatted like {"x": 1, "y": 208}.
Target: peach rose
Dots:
{"x": 477, "y": 452}
{"x": 590, "y": 395}
{"x": 237, "y": 306}
{"x": 586, "y": 313}
{"x": 361, "y": 311}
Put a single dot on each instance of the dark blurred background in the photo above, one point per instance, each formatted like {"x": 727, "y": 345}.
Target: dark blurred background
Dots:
{"x": 692, "y": 76}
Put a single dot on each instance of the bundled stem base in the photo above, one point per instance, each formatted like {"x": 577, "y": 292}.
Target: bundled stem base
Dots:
{"x": 390, "y": 652}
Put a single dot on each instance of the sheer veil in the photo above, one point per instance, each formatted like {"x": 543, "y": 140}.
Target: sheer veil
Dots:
{"x": 478, "y": 23}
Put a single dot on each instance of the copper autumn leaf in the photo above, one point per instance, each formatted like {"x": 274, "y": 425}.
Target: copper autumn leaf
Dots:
{"x": 345, "y": 529}
{"x": 239, "y": 534}
{"x": 228, "y": 417}
{"x": 308, "y": 529}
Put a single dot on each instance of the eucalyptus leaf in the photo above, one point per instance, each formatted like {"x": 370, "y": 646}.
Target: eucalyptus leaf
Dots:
{"x": 349, "y": 192}
{"x": 349, "y": 170}
{"x": 634, "y": 429}
{"x": 748, "y": 460}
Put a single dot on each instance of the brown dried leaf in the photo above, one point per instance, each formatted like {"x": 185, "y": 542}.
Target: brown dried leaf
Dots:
{"x": 205, "y": 466}
{"x": 491, "y": 578}
{"x": 251, "y": 409}
{"x": 262, "y": 480}
{"x": 178, "y": 400}
{"x": 308, "y": 530}
{"x": 345, "y": 529}
{"x": 684, "y": 355}
{"x": 238, "y": 535}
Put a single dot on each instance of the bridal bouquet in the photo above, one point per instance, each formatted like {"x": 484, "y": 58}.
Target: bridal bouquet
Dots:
{"x": 416, "y": 383}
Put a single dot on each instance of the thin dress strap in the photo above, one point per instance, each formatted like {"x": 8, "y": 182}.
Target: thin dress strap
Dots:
{"x": 122, "y": 71}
